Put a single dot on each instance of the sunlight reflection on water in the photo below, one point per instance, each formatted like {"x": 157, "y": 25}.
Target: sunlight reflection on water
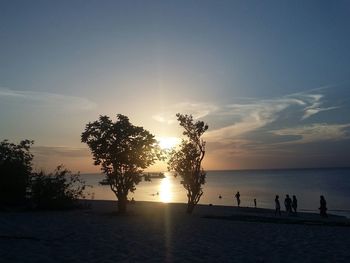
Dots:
{"x": 165, "y": 191}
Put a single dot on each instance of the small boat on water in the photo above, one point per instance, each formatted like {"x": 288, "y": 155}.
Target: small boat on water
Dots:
{"x": 153, "y": 175}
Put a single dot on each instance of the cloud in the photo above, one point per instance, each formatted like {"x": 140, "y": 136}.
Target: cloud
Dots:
{"x": 265, "y": 129}
{"x": 249, "y": 116}
{"x": 197, "y": 110}
{"x": 254, "y": 114}
{"x": 60, "y": 151}
{"x": 314, "y": 103}
{"x": 256, "y": 126}
{"x": 46, "y": 99}
{"x": 315, "y": 133}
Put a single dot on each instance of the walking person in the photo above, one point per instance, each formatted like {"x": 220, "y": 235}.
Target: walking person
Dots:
{"x": 294, "y": 204}
{"x": 323, "y": 207}
{"x": 288, "y": 204}
{"x": 277, "y": 205}
{"x": 238, "y": 198}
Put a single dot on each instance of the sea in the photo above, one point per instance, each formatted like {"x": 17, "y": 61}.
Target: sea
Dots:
{"x": 263, "y": 185}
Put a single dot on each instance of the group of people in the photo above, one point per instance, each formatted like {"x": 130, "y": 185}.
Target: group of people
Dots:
{"x": 291, "y": 204}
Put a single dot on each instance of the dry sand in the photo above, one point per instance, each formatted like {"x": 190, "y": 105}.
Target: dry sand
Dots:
{"x": 156, "y": 232}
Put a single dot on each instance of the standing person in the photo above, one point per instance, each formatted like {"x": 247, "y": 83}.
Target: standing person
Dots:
{"x": 238, "y": 198}
{"x": 255, "y": 202}
{"x": 294, "y": 204}
{"x": 288, "y": 204}
{"x": 323, "y": 207}
{"x": 278, "y": 206}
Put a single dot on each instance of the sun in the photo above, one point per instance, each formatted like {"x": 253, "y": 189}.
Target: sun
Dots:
{"x": 167, "y": 143}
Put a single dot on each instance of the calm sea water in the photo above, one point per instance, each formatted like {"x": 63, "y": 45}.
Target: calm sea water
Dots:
{"x": 306, "y": 184}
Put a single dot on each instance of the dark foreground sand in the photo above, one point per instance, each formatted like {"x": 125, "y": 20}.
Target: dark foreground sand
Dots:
{"x": 155, "y": 232}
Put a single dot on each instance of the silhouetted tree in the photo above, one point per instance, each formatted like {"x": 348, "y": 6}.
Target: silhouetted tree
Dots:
{"x": 123, "y": 150}
{"x": 58, "y": 190}
{"x": 15, "y": 169}
{"x": 187, "y": 160}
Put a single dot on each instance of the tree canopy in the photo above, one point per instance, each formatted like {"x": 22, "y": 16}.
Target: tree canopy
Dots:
{"x": 123, "y": 151}
{"x": 15, "y": 170}
{"x": 187, "y": 160}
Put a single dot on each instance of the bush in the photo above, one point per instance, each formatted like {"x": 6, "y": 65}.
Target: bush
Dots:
{"x": 15, "y": 170}
{"x": 58, "y": 190}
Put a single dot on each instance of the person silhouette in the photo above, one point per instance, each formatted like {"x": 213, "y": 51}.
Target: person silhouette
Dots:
{"x": 238, "y": 198}
{"x": 277, "y": 205}
{"x": 323, "y": 207}
{"x": 288, "y": 204}
{"x": 255, "y": 202}
{"x": 294, "y": 204}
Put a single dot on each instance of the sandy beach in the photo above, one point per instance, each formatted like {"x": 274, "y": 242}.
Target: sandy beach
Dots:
{"x": 157, "y": 232}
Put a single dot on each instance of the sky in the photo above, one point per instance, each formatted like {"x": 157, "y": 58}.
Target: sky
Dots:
{"x": 271, "y": 78}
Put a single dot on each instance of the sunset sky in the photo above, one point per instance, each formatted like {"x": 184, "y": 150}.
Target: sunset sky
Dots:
{"x": 271, "y": 78}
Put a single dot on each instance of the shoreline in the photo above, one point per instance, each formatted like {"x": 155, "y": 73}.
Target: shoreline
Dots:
{"x": 230, "y": 212}
{"x": 302, "y": 212}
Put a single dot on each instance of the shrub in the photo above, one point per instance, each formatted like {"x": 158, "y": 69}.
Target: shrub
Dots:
{"x": 15, "y": 169}
{"x": 58, "y": 190}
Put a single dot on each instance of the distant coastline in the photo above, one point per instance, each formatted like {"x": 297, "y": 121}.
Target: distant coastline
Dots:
{"x": 281, "y": 169}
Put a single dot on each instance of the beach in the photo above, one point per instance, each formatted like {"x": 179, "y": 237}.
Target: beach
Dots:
{"x": 160, "y": 232}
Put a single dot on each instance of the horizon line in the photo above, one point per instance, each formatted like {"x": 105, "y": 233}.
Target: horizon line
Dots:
{"x": 252, "y": 169}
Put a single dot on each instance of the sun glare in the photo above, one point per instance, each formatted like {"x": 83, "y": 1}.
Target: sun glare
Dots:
{"x": 167, "y": 143}
{"x": 165, "y": 194}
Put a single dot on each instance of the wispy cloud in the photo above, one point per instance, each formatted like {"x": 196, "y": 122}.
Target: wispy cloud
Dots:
{"x": 254, "y": 114}
{"x": 313, "y": 104}
{"x": 249, "y": 116}
{"x": 198, "y": 110}
{"x": 316, "y": 132}
{"x": 46, "y": 99}
{"x": 254, "y": 125}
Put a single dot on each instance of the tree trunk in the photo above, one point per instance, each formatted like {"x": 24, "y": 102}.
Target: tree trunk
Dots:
{"x": 190, "y": 207}
{"x": 122, "y": 201}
